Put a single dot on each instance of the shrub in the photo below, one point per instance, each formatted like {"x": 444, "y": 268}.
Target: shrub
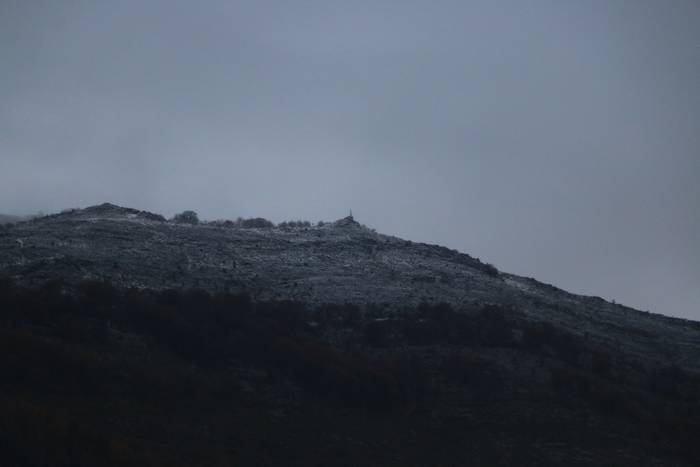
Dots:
{"x": 546, "y": 338}
{"x": 186, "y": 217}
{"x": 490, "y": 269}
{"x": 255, "y": 223}
{"x": 151, "y": 216}
{"x": 294, "y": 224}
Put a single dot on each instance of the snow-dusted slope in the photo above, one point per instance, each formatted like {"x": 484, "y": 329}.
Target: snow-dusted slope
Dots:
{"x": 338, "y": 262}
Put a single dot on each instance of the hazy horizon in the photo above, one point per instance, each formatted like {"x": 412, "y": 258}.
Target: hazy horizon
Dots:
{"x": 559, "y": 141}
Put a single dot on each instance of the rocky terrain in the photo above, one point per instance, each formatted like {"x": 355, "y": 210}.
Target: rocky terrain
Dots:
{"x": 340, "y": 262}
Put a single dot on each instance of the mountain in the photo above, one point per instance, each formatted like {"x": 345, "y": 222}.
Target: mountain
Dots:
{"x": 127, "y": 339}
{"x": 339, "y": 262}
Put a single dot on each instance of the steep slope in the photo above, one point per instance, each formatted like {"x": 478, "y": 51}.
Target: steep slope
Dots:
{"x": 341, "y": 262}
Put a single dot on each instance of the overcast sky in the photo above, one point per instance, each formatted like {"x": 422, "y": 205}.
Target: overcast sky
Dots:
{"x": 559, "y": 140}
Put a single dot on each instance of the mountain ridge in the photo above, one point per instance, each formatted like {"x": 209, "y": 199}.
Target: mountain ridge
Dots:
{"x": 339, "y": 262}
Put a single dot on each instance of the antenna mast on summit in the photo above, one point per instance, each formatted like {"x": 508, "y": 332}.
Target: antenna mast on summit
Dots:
{"x": 351, "y": 213}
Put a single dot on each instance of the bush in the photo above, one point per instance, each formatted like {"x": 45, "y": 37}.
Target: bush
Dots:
{"x": 186, "y": 217}
{"x": 547, "y": 339}
{"x": 151, "y": 216}
{"x": 254, "y": 223}
{"x": 294, "y": 224}
{"x": 490, "y": 269}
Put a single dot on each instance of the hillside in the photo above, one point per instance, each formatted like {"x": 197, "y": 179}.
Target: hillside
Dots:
{"x": 130, "y": 340}
{"x": 101, "y": 376}
{"x": 341, "y": 262}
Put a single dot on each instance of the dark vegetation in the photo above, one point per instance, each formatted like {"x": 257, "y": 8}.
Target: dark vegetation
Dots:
{"x": 241, "y": 223}
{"x": 294, "y": 224}
{"x": 190, "y": 217}
{"x": 92, "y": 375}
{"x": 186, "y": 217}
